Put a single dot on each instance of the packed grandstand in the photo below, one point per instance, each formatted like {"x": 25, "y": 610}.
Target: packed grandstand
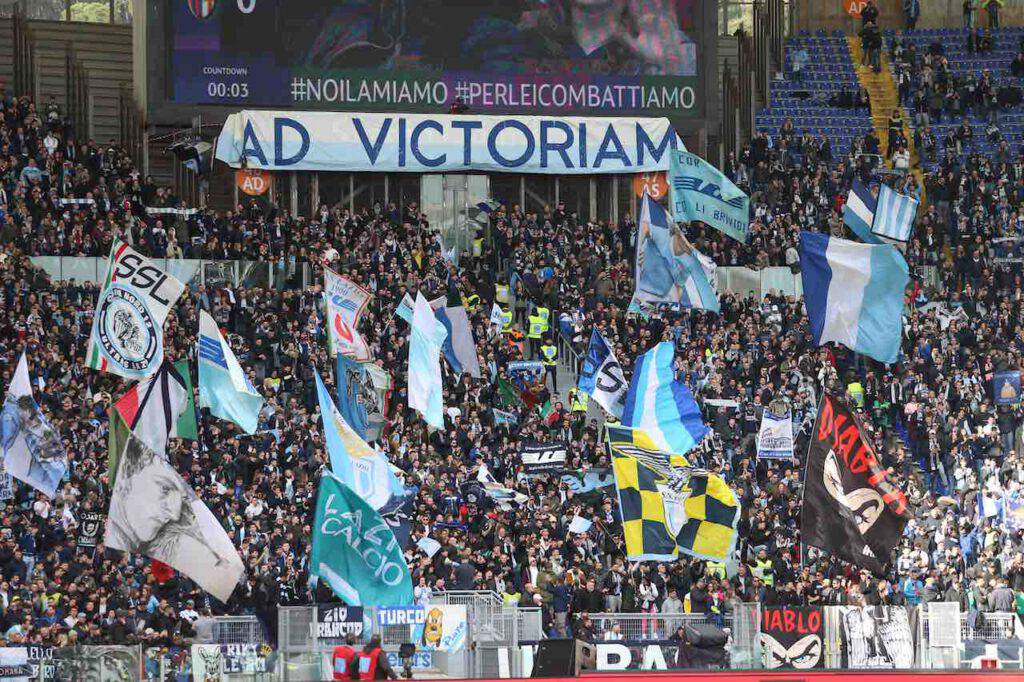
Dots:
{"x": 476, "y": 515}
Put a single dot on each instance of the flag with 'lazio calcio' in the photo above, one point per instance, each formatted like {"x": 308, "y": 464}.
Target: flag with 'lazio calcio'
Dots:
{"x": 701, "y": 192}
{"x": 355, "y": 551}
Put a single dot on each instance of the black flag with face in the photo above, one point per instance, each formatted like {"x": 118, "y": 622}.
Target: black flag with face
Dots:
{"x": 851, "y": 507}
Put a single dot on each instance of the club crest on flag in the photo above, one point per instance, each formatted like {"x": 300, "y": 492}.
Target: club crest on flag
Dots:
{"x": 128, "y": 333}
{"x": 201, "y": 9}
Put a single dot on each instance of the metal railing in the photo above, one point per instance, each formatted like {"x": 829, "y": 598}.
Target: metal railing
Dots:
{"x": 26, "y": 75}
{"x": 132, "y": 123}
{"x": 238, "y": 630}
{"x": 641, "y": 626}
{"x": 79, "y": 96}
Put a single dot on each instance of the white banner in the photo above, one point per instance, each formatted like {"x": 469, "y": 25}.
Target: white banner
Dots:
{"x": 128, "y": 325}
{"x": 154, "y": 512}
{"x": 335, "y": 141}
{"x": 345, "y": 301}
{"x": 775, "y": 439}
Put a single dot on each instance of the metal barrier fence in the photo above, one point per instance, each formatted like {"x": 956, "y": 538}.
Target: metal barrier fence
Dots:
{"x": 215, "y": 273}
{"x": 238, "y": 630}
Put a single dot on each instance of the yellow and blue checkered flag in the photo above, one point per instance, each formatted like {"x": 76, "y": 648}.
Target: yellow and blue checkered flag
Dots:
{"x": 667, "y": 507}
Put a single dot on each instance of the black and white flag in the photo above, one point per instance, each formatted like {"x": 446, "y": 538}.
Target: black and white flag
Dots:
{"x": 851, "y": 507}
{"x": 543, "y": 458}
{"x": 90, "y": 529}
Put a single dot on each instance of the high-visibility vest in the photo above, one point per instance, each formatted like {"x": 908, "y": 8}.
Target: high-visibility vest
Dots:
{"x": 857, "y": 391}
{"x": 368, "y": 664}
{"x": 471, "y": 302}
{"x": 506, "y": 321}
{"x": 716, "y": 568}
{"x": 766, "y": 571}
{"x": 341, "y": 661}
{"x": 536, "y": 329}
{"x": 545, "y": 315}
{"x": 579, "y": 402}
{"x": 478, "y": 248}
{"x": 501, "y": 293}
{"x": 550, "y": 354}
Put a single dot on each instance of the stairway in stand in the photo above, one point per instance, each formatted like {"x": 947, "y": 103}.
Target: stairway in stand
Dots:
{"x": 884, "y": 98}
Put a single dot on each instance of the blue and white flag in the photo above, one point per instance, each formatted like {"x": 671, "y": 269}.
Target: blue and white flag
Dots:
{"x": 427, "y": 337}
{"x": 223, "y": 386}
{"x": 601, "y": 376}
{"x": 854, "y": 294}
{"x": 662, "y": 406}
{"x": 497, "y": 316}
{"x": 32, "y": 449}
{"x": 894, "y": 215}
{"x": 859, "y": 212}
{"x": 362, "y": 468}
{"x": 669, "y": 270}
{"x": 459, "y": 347}
{"x": 702, "y": 192}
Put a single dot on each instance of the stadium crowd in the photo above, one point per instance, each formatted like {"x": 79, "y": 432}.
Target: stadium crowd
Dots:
{"x": 932, "y": 415}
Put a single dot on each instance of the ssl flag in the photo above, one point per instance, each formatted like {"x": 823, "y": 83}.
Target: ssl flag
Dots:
{"x": 32, "y": 449}
{"x": 854, "y": 294}
{"x": 601, "y": 377}
{"x": 345, "y": 301}
{"x": 127, "y": 336}
{"x": 425, "y": 344}
{"x": 669, "y": 270}
{"x": 355, "y": 551}
{"x": 352, "y": 459}
{"x": 223, "y": 386}
{"x": 660, "y": 405}
{"x": 702, "y": 192}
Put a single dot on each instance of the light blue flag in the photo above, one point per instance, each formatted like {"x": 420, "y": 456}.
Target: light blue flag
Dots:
{"x": 223, "y": 386}
{"x": 32, "y": 450}
{"x": 853, "y": 294}
{"x": 669, "y": 270}
{"x": 425, "y": 387}
{"x": 701, "y": 192}
{"x": 660, "y": 405}
{"x": 349, "y": 378}
{"x": 362, "y": 468}
{"x": 894, "y": 215}
{"x": 355, "y": 551}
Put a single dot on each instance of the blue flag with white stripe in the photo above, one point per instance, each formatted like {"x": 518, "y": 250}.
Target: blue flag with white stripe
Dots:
{"x": 223, "y": 386}
{"x": 859, "y": 212}
{"x": 662, "y": 406}
{"x": 854, "y": 294}
{"x": 894, "y": 215}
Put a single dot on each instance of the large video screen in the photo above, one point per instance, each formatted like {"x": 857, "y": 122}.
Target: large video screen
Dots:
{"x": 604, "y": 57}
